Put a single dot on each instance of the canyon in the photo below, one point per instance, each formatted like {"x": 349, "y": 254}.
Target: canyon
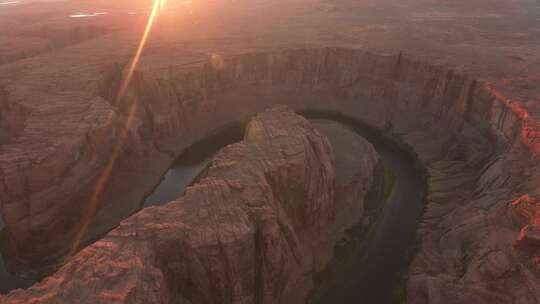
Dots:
{"x": 255, "y": 229}
{"x": 476, "y": 149}
{"x": 452, "y": 84}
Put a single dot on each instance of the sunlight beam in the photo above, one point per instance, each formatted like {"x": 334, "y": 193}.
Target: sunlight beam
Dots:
{"x": 91, "y": 207}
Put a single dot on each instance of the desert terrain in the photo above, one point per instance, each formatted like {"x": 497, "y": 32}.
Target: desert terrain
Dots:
{"x": 456, "y": 82}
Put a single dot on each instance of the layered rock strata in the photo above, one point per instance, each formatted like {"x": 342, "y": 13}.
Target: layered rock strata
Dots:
{"x": 255, "y": 230}
{"x": 355, "y": 162}
{"x": 479, "y": 148}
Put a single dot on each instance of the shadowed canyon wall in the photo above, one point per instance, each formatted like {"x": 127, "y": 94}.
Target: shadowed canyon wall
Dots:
{"x": 255, "y": 230}
{"x": 479, "y": 150}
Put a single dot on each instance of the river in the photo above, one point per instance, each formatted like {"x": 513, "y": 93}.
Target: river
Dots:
{"x": 390, "y": 241}
{"x": 372, "y": 275}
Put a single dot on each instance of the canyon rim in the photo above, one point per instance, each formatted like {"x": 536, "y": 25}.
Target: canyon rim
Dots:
{"x": 81, "y": 149}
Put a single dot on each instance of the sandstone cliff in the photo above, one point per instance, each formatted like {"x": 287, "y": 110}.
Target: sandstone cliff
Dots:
{"x": 480, "y": 150}
{"x": 355, "y": 163}
{"x": 253, "y": 231}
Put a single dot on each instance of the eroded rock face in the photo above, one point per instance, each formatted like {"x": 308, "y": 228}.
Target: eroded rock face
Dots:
{"x": 479, "y": 149}
{"x": 253, "y": 231}
{"x": 356, "y": 159}
{"x": 61, "y": 180}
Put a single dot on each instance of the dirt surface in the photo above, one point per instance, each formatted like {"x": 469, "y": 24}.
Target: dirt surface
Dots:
{"x": 495, "y": 40}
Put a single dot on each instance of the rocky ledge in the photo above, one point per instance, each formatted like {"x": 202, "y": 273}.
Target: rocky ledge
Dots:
{"x": 254, "y": 230}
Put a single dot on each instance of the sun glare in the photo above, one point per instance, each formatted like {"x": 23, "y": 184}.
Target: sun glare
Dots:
{"x": 162, "y": 4}
{"x": 91, "y": 207}
{"x": 158, "y": 5}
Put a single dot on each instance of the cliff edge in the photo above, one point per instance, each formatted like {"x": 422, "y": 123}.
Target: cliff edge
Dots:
{"x": 254, "y": 230}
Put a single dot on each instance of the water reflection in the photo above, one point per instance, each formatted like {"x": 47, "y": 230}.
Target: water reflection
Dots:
{"x": 176, "y": 181}
{"x": 191, "y": 163}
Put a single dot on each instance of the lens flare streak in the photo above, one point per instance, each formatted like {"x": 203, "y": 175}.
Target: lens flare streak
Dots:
{"x": 91, "y": 207}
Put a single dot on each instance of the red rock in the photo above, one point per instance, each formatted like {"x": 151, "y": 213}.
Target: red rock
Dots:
{"x": 479, "y": 148}
{"x": 536, "y": 262}
{"x": 355, "y": 163}
{"x": 219, "y": 243}
{"x": 528, "y": 238}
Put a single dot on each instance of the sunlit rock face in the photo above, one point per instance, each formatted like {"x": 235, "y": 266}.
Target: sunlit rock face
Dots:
{"x": 255, "y": 230}
{"x": 479, "y": 151}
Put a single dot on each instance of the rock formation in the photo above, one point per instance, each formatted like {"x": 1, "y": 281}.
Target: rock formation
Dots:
{"x": 479, "y": 149}
{"x": 355, "y": 160}
{"x": 255, "y": 230}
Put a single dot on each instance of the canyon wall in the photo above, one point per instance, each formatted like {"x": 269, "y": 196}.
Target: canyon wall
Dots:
{"x": 254, "y": 230}
{"x": 479, "y": 150}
